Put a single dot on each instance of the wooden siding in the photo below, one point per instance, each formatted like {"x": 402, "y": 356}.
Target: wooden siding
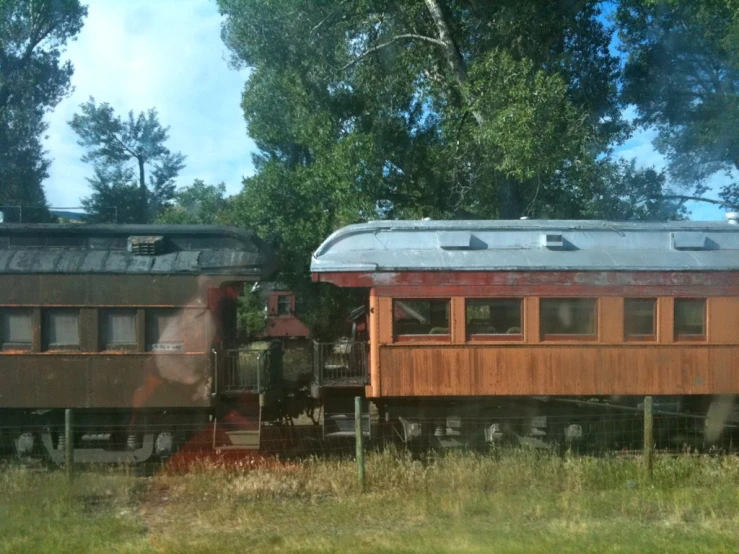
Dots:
{"x": 608, "y": 365}
{"x": 559, "y": 370}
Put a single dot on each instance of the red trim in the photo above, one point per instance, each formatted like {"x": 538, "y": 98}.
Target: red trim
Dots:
{"x": 557, "y": 291}
{"x": 538, "y": 279}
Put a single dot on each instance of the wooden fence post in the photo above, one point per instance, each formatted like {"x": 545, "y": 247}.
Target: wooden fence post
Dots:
{"x": 68, "y": 442}
{"x": 359, "y": 432}
{"x": 648, "y": 437}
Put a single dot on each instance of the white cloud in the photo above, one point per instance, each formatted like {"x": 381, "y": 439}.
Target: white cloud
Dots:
{"x": 167, "y": 55}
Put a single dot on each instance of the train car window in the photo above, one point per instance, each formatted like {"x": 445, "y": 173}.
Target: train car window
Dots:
{"x": 427, "y": 318}
{"x": 283, "y": 304}
{"x": 17, "y": 329}
{"x": 690, "y": 318}
{"x": 164, "y": 331}
{"x": 118, "y": 329}
{"x": 569, "y": 318}
{"x": 640, "y": 318}
{"x": 494, "y": 318}
{"x": 61, "y": 329}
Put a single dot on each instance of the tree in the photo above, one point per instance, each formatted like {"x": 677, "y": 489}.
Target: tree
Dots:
{"x": 682, "y": 74}
{"x": 198, "y": 204}
{"x": 406, "y": 109}
{"x": 138, "y": 142}
{"x": 115, "y": 197}
{"x": 33, "y": 80}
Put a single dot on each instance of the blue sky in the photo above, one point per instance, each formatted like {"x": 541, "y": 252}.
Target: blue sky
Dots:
{"x": 168, "y": 54}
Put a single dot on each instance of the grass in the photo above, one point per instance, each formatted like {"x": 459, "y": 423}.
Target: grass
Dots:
{"x": 510, "y": 501}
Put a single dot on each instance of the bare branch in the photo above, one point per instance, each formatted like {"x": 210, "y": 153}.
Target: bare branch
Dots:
{"x": 696, "y": 199}
{"x": 405, "y": 36}
{"x": 325, "y": 19}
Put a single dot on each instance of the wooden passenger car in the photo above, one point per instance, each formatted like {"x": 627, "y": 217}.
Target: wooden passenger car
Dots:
{"x": 128, "y": 325}
{"x": 486, "y": 311}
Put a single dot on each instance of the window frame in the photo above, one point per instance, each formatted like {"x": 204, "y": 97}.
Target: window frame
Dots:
{"x": 685, "y": 337}
{"x": 495, "y": 337}
{"x": 568, "y": 337}
{"x": 15, "y": 346}
{"x": 419, "y": 338}
{"x": 46, "y": 345}
{"x": 654, "y": 336}
{"x": 179, "y": 313}
{"x": 113, "y": 347}
{"x": 289, "y": 305}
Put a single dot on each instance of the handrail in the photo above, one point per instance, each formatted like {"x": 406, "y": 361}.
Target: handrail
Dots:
{"x": 215, "y": 372}
{"x": 342, "y": 363}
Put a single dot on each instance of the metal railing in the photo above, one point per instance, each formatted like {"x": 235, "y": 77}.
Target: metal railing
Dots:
{"x": 251, "y": 370}
{"x": 341, "y": 363}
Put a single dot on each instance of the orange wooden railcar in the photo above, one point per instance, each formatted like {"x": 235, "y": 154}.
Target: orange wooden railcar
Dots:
{"x": 476, "y": 320}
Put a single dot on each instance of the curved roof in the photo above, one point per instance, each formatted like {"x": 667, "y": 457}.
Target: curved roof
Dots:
{"x": 529, "y": 245}
{"x": 133, "y": 249}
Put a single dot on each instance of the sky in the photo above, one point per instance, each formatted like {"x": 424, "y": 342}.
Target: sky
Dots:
{"x": 168, "y": 54}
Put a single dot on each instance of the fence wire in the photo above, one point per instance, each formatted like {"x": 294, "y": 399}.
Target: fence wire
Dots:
{"x": 183, "y": 444}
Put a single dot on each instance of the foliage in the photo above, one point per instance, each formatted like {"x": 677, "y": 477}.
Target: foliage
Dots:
{"x": 252, "y": 314}
{"x": 33, "y": 80}
{"x": 377, "y": 109}
{"x": 118, "y": 148}
{"x": 682, "y": 74}
{"x": 198, "y": 204}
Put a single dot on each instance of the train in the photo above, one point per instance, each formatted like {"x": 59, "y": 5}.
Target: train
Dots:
{"x": 472, "y": 333}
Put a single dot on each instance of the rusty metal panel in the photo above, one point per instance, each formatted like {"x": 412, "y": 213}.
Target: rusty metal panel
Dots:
{"x": 104, "y": 381}
{"x": 103, "y": 249}
{"x": 186, "y": 261}
{"x": 91, "y": 262}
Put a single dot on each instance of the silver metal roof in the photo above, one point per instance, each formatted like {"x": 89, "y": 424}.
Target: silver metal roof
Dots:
{"x": 188, "y": 249}
{"x": 529, "y": 245}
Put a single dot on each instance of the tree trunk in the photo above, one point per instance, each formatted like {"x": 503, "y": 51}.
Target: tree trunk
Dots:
{"x": 452, "y": 54}
{"x": 142, "y": 191}
{"x": 509, "y": 207}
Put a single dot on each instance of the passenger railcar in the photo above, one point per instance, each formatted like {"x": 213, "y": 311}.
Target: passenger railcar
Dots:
{"x": 131, "y": 326}
{"x": 473, "y": 322}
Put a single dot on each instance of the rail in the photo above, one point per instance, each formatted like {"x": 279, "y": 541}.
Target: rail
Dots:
{"x": 342, "y": 363}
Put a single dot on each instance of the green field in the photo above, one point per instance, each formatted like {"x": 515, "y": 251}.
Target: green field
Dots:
{"x": 503, "y": 502}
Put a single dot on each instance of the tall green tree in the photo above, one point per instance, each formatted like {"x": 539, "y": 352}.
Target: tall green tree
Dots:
{"x": 121, "y": 148}
{"x": 682, "y": 74}
{"x": 379, "y": 108}
{"x": 33, "y": 79}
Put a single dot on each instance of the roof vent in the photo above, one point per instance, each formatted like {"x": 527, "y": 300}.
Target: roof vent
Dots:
{"x": 688, "y": 241}
{"x": 553, "y": 240}
{"x": 455, "y": 241}
{"x": 732, "y": 218}
{"x": 146, "y": 246}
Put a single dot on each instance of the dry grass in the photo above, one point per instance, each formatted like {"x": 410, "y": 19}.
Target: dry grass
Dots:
{"x": 510, "y": 501}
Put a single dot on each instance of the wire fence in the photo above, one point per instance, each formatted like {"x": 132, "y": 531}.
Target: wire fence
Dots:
{"x": 180, "y": 445}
